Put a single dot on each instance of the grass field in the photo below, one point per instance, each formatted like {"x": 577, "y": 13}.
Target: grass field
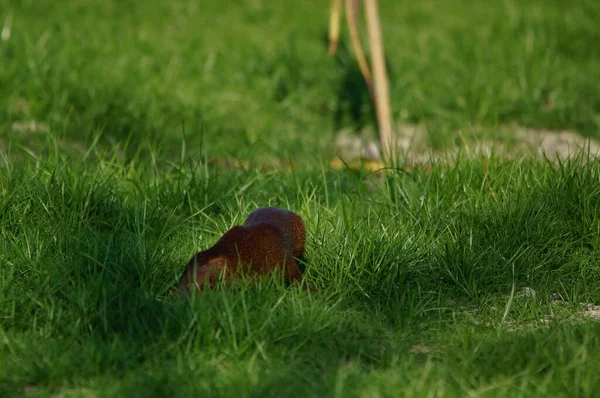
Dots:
{"x": 468, "y": 277}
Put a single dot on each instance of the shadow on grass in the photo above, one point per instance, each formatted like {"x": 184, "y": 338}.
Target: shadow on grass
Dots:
{"x": 353, "y": 97}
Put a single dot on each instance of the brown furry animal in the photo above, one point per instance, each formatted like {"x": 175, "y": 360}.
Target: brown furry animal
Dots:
{"x": 270, "y": 238}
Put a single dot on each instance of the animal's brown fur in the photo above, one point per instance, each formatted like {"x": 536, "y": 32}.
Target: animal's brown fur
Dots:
{"x": 270, "y": 238}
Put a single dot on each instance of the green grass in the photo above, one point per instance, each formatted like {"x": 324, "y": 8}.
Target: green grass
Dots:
{"x": 417, "y": 273}
{"x": 90, "y": 253}
{"x": 255, "y": 78}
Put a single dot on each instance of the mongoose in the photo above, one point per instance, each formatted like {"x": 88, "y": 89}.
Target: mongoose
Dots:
{"x": 270, "y": 238}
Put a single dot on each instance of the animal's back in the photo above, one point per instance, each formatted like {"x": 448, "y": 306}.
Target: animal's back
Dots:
{"x": 256, "y": 247}
{"x": 290, "y": 224}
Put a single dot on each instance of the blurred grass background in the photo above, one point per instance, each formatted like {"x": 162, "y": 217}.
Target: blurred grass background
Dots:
{"x": 254, "y": 76}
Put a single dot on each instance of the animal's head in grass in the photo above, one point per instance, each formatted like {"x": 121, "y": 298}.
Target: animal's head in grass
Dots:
{"x": 271, "y": 239}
